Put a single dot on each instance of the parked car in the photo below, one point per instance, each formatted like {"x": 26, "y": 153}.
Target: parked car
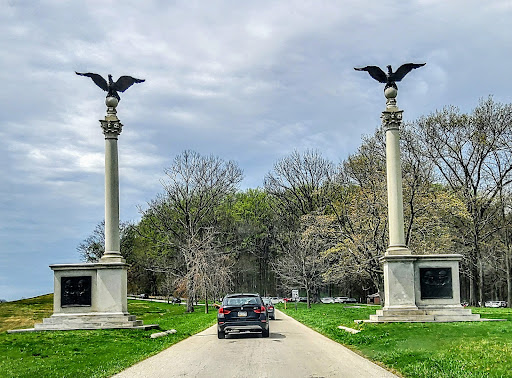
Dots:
{"x": 303, "y": 299}
{"x": 270, "y": 308}
{"x": 340, "y": 299}
{"x": 495, "y": 304}
{"x": 350, "y": 300}
{"x": 327, "y": 300}
{"x": 242, "y": 313}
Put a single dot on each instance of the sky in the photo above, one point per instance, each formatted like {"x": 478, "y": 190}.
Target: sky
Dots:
{"x": 247, "y": 81}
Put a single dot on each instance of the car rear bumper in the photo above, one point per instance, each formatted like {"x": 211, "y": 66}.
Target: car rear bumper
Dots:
{"x": 232, "y": 327}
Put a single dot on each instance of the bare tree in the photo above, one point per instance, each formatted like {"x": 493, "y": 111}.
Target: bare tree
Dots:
{"x": 299, "y": 183}
{"x": 180, "y": 218}
{"x": 210, "y": 266}
{"x": 92, "y": 248}
{"x": 301, "y": 264}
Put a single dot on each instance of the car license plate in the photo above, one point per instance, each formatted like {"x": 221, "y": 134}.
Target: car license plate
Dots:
{"x": 242, "y": 314}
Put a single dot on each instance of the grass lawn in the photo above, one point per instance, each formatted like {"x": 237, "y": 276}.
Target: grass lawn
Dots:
{"x": 99, "y": 353}
{"x": 475, "y": 349}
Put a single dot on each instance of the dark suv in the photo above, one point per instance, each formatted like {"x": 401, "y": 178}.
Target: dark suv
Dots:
{"x": 242, "y": 313}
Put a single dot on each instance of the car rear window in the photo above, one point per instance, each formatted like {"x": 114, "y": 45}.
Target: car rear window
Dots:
{"x": 240, "y": 301}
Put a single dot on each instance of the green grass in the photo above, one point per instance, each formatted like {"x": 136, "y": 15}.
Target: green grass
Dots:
{"x": 98, "y": 353}
{"x": 476, "y": 349}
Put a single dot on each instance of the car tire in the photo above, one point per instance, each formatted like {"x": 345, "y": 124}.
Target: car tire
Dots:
{"x": 265, "y": 333}
{"x": 221, "y": 334}
{"x": 273, "y": 317}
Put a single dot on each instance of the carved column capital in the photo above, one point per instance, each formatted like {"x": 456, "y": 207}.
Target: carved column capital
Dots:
{"x": 391, "y": 120}
{"x": 111, "y": 129}
{"x": 111, "y": 125}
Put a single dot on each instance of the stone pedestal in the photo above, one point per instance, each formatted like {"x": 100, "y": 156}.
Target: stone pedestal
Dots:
{"x": 90, "y": 296}
{"x": 422, "y": 288}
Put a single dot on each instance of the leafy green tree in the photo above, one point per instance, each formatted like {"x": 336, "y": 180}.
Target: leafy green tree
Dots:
{"x": 254, "y": 226}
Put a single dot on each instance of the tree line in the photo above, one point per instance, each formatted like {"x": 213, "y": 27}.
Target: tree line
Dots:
{"x": 322, "y": 227}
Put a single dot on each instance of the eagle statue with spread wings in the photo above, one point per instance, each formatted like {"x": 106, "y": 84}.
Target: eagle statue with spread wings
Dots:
{"x": 391, "y": 77}
{"x": 122, "y": 84}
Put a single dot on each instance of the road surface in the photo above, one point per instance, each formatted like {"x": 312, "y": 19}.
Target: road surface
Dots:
{"x": 292, "y": 350}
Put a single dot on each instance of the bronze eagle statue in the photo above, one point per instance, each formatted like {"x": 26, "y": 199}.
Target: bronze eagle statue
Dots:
{"x": 391, "y": 77}
{"x": 122, "y": 84}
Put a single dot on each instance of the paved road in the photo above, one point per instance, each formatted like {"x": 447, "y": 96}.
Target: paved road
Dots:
{"x": 292, "y": 350}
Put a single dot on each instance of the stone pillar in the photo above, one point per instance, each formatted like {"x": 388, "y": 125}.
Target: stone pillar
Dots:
{"x": 391, "y": 120}
{"x": 398, "y": 263}
{"x": 111, "y": 128}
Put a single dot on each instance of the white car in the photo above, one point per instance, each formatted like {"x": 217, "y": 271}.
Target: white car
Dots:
{"x": 495, "y": 304}
{"x": 327, "y": 300}
{"x": 340, "y": 299}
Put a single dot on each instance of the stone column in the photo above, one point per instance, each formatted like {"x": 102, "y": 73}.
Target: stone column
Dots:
{"x": 391, "y": 120}
{"x": 111, "y": 128}
{"x": 398, "y": 263}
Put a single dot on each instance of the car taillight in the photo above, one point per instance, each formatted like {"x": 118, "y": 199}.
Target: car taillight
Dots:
{"x": 222, "y": 310}
{"x": 259, "y": 310}
{"x": 270, "y": 307}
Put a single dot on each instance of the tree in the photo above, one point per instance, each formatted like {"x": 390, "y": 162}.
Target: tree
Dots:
{"x": 301, "y": 264}
{"x": 253, "y": 221}
{"x": 91, "y": 249}
{"x": 179, "y": 219}
{"x": 472, "y": 154}
{"x": 359, "y": 205}
{"x": 299, "y": 183}
{"x": 359, "y": 202}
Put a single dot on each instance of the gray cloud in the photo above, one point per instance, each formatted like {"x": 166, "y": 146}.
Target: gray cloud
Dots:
{"x": 249, "y": 82}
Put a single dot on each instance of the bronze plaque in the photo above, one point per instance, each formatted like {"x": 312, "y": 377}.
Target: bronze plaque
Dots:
{"x": 436, "y": 283}
{"x": 75, "y": 291}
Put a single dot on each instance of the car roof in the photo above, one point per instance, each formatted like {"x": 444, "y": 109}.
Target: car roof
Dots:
{"x": 242, "y": 295}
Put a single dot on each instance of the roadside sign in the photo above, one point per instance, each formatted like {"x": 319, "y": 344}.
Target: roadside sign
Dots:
{"x": 295, "y": 295}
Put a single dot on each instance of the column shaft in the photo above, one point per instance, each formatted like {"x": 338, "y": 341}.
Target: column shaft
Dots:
{"x": 111, "y": 129}
{"x": 391, "y": 120}
{"x": 394, "y": 185}
{"x": 112, "y": 240}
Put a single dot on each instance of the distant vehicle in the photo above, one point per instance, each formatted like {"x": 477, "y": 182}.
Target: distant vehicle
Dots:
{"x": 242, "y": 313}
{"x": 270, "y": 308}
{"x": 495, "y": 304}
{"x": 303, "y": 299}
{"x": 350, "y": 300}
{"x": 340, "y": 299}
{"x": 277, "y": 300}
{"x": 175, "y": 300}
{"x": 327, "y": 300}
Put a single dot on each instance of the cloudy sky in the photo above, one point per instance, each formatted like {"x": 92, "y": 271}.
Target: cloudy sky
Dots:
{"x": 248, "y": 81}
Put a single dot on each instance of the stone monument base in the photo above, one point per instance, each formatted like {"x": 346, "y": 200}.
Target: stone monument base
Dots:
{"x": 422, "y": 288}
{"x": 441, "y": 314}
{"x": 89, "y": 296}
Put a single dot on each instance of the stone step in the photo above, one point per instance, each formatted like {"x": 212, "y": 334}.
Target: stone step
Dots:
{"x": 402, "y": 318}
{"x": 458, "y": 318}
{"x": 419, "y": 312}
{"x": 89, "y": 321}
{"x": 394, "y": 312}
{"x": 457, "y": 311}
{"x": 88, "y": 325}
